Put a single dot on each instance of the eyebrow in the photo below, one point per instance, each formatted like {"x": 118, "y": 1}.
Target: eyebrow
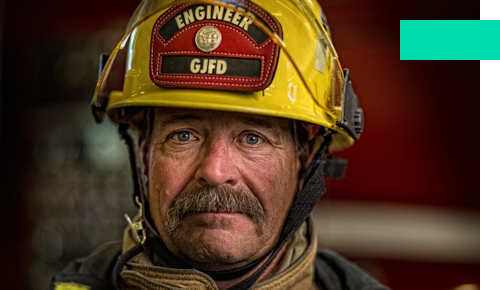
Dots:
{"x": 259, "y": 122}
{"x": 178, "y": 119}
{"x": 253, "y": 121}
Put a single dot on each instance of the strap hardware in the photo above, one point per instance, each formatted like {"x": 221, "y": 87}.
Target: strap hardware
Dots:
{"x": 352, "y": 114}
{"x": 138, "y": 226}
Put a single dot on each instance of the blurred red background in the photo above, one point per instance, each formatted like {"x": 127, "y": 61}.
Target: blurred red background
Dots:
{"x": 420, "y": 145}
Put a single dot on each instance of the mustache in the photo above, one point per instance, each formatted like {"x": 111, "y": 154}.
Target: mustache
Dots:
{"x": 215, "y": 199}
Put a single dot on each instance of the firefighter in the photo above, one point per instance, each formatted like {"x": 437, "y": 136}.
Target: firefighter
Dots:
{"x": 235, "y": 106}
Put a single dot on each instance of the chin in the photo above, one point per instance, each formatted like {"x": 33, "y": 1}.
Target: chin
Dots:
{"x": 217, "y": 247}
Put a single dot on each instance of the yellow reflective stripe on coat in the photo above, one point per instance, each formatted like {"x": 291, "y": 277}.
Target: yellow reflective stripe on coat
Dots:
{"x": 71, "y": 286}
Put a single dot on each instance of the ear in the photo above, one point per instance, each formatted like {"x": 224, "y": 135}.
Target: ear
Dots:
{"x": 305, "y": 157}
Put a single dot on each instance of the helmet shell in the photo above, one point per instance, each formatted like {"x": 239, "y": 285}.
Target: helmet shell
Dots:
{"x": 304, "y": 81}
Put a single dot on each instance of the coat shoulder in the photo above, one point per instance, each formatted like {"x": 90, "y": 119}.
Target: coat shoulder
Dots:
{"x": 334, "y": 272}
{"x": 94, "y": 270}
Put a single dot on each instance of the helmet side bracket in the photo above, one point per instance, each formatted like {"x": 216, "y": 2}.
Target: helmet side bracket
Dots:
{"x": 352, "y": 115}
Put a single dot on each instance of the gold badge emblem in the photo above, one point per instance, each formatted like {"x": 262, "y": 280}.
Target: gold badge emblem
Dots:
{"x": 208, "y": 38}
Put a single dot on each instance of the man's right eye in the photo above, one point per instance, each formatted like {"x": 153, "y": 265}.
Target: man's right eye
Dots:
{"x": 183, "y": 136}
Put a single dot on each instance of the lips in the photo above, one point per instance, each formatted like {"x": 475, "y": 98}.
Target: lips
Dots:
{"x": 219, "y": 211}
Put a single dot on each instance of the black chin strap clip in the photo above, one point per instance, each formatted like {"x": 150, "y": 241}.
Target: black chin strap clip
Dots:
{"x": 334, "y": 167}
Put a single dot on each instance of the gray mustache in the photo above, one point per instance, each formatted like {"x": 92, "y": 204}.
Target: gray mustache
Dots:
{"x": 215, "y": 199}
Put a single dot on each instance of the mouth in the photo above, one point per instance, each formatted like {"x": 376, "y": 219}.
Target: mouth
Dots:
{"x": 216, "y": 219}
{"x": 221, "y": 211}
{"x": 218, "y": 213}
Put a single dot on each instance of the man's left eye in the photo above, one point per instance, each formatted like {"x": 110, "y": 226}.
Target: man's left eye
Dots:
{"x": 252, "y": 139}
{"x": 183, "y": 136}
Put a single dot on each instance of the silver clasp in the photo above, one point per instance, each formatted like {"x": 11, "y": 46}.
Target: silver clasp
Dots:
{"x": 138, "y": 226}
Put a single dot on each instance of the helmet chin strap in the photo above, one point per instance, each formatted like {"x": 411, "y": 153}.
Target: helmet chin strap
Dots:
{"x": 303, "y": 205}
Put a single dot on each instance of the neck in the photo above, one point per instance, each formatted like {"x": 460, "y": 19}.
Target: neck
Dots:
{"x": 222, "y": 285}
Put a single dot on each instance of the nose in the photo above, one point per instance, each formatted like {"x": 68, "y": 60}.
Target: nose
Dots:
{"x": 217, "y": 165}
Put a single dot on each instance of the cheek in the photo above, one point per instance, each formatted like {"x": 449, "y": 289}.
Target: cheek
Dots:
{"x": 167, "y": 178}
{"x": 275, "y": 184}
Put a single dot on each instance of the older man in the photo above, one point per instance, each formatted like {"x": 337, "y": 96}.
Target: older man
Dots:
{"x": 236, "y": 104}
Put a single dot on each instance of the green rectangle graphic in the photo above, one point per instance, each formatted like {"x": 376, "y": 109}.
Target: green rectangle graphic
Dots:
{"x": 449, "y": 40}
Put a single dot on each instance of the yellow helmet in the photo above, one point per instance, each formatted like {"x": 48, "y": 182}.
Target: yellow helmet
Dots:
{"x": 264, "y": 57}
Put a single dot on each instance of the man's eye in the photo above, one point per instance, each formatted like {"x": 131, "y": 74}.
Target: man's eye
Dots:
{"x": 252, "y": 139}
{"x": 183, "y": 136}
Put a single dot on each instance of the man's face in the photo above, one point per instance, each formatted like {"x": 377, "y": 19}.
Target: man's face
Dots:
{"x": 220, "y": 184}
